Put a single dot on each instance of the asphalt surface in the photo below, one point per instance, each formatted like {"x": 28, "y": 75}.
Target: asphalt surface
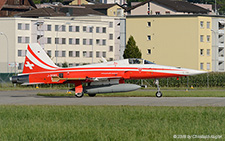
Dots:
{"x": 29, "y": 97}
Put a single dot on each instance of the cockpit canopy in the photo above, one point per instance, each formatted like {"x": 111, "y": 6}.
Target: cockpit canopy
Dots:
{"x": 139, "y": 61}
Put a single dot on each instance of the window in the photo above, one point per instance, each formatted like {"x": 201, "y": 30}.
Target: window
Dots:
{"x": 90, "y": 41}
{"x": 110, "y": 24}
{"x": 19, "y": 39}
{"x": 97, "y": 54}
{"x": 63, "y": 28}
{"x": 77, "y": 53}
{"x": 149, "y": 24}
{"x": 91, "y": 29}
{"x": 70, "y": 64}
{"x": 49, "y": 53}
{"x": 56, "y": 53}
{"x": 56, "y": 40}
{"x": 27, "y": 39}
{"x": 149, "y": 37}
{"x": 19, "y": 26}
{"x": 97, "y": 41}
{"x": 201, "y": 66}
{"x": 84, "y": 41}
{"x": 49, "y": 27}
{"x": 84, "y": 53}
{"x": 110, "y": 48}
{"x": 104, "y": 54}
{"x": 208, "y": 52}
{"x": 77, "y": 29}
{"x": 104, "y": 30}
{"x": 97, "y": 30}
{"x": 90, "y": 53}
{"x": 70, "y": 41}
{"x": 20, "y": 67}
{"x": 149, "y": 51}
{"x": 157, "y": 13}
{"x": 202, "y": 52}
{"x": 63, "y": 53}
{"x": 167, "y": 12}
{"x": 201, "y": 38}
{"x": 84, "y": 29}
{"x": 56, "y": 27}
{"x": 63, "y": 40}
{"x": 110, "y": 36}
{"x": 19, "y": 53}
{"x": 77, "y": 41}
{"x": 208, "y": 66}
{"x": 208, "y": 24}
{"x": 70, "y": 28}
{"x": 70, "y": 53}
{"x": 49, "y": 40}
{"x": 208, "y": 38}
{"x": 201, "y": 24}
{"x": 103, "y": 42}
{"x": 27, "y": 26}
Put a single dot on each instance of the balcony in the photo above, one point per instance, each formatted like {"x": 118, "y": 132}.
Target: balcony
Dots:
{"x": 221, "y": 32}
{"x": 221, "y": 45}
{"x": 221, "y": 66}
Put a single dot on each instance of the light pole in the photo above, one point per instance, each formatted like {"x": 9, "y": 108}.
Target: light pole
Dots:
{"x": 1, "y": 33}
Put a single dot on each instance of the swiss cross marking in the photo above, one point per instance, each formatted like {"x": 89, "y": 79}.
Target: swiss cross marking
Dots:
{"x": 115, "y": 64}
{"x": 29, "y": 65}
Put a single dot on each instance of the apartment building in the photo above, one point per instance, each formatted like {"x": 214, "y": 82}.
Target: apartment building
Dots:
{"x": 74, "y": 40}
{"x": 190, "y": 41}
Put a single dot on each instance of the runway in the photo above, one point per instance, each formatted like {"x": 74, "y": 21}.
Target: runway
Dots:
{"x": 29, "y": 97}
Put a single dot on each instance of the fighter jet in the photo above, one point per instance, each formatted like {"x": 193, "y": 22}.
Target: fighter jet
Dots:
{"x": 106, "y": 77}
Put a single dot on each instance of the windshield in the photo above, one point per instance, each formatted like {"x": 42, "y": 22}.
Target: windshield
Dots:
{"x": 139, "y": 61}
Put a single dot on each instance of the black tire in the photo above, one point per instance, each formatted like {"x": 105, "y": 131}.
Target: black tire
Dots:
{"x": 92, "y": 95}
{"x": 158, "y": 94}
{"x": 79, "y": 95}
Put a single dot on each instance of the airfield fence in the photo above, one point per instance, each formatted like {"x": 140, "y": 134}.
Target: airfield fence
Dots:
{"x": 213, "y": 79}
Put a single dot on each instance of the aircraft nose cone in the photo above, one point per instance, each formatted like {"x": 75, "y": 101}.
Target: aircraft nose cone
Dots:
{"x": 194, "y": 72}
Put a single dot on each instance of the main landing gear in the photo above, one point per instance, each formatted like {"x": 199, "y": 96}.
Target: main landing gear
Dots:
{"x": 158, "y": 93}
{"x": 79, "y": 90}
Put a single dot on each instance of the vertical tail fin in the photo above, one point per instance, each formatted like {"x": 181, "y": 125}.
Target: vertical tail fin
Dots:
{"x": 37, "y": 60}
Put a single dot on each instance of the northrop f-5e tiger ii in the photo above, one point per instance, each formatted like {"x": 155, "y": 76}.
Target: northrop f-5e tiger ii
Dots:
{"x": 106, "y": 77}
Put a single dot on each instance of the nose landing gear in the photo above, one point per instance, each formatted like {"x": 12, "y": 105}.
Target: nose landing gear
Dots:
{"x": 158, "y": 93}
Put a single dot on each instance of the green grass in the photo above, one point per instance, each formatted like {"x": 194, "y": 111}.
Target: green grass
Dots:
{"x": 108, "y": 122}
{"x": 150, "y": 93}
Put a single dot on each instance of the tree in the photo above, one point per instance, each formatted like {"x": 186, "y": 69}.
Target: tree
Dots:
{"x": 132, "y": 50}
{"x": 64, "y": 65}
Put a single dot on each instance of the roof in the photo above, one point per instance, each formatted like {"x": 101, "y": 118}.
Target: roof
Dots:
{"x": 179, "y": 6}
{"x": 41, "y": 12}
{"x": 101, "y": 6}
{"x": 79, "y": 11}
{"x": 2, "y": 2}
{"x": 11, "y": 6}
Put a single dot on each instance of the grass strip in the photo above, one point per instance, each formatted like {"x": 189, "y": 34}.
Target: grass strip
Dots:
{"x": 108, "y": 122}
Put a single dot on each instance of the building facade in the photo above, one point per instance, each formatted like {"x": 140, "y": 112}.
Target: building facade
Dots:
{"x": 74, "y": 40}
{"x": 179, "y": 40}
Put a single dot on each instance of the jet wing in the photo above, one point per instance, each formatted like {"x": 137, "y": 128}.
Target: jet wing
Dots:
{"x": 57, "y": 78}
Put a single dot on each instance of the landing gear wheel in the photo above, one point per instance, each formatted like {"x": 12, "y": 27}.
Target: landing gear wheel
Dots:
{"x": 79, "y": 95}
{"x": 92, "y": 95}
{"x": 158, "y": 94}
